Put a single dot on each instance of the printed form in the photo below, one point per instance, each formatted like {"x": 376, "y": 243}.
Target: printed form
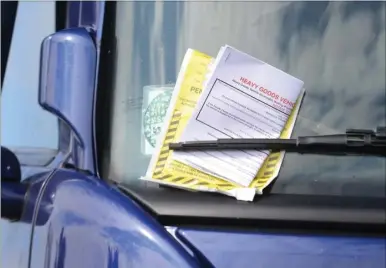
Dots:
{"x": 243, "y": 98}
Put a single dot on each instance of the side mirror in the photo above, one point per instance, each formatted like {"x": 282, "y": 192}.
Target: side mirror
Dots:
{"x": 67, "y": 88}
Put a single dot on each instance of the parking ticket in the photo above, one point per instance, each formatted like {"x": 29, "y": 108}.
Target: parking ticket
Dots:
{"x": 165, "y": 170}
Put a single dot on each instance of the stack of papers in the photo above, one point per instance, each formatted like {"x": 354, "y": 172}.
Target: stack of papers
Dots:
{"x": 232, "y": 96}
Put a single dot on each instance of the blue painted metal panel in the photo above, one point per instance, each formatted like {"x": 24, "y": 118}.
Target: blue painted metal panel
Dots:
{"x": 16, "y": 236}
{"x": 232, "y": 249}
{"x": 86, "y": 223}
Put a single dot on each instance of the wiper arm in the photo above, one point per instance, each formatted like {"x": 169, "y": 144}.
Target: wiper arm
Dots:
{"x": 355, "y": 141}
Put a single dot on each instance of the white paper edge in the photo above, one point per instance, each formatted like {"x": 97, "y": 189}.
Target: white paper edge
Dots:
{"x": 212, "y": 69}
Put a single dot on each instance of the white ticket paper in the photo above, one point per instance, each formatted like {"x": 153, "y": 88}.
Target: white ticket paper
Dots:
{"x": 243, "y": 98}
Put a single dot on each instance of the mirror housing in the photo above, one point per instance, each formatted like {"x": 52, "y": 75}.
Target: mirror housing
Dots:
{"x": 67, "y": 88}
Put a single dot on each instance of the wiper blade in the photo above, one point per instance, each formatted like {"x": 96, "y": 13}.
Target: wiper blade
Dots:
{"x": 355, "y": 141}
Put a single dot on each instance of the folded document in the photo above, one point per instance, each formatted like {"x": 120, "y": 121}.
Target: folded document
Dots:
{"x": 244, "y": 98}
{"x": 233, "y": 96}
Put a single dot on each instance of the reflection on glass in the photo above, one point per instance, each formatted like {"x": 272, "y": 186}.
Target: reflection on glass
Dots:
{"x": 29, "y": 131}
{"x": 20, "y": 111}
{"x": 337, "y": 48}
{"x": 26, "y": 128}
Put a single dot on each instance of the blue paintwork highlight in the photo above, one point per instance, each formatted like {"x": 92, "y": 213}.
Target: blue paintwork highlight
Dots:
{"x": 92, "y": 224}
{"x": 67, "y": 87}
{"x": 232, "y": 249}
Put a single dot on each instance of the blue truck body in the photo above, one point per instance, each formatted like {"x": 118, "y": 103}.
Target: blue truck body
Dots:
{"x": 73, "y": 218}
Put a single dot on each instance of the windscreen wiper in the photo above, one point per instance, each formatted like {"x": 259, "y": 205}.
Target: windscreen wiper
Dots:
{"x": 354, "y": 142}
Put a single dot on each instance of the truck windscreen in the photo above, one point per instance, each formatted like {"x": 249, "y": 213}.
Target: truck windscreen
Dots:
{"x": 336, "y": 48}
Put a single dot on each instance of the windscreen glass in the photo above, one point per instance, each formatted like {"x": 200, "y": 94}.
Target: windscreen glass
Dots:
{"x": 336, "y": 48}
